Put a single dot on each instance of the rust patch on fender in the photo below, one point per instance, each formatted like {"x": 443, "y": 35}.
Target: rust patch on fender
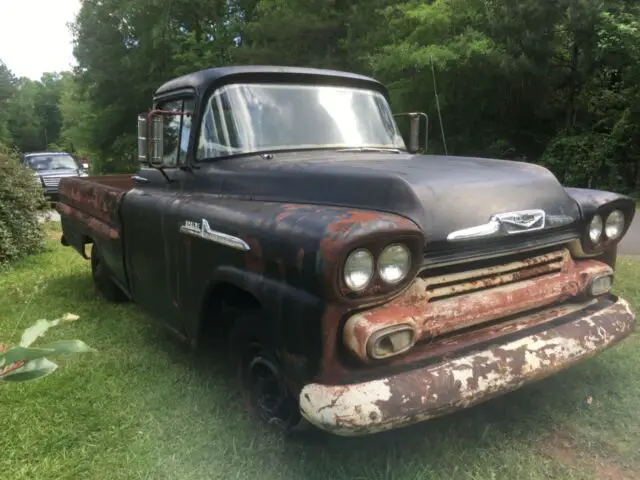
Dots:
{"x": 300, "y": 260}
{"x": 253, "y": 259}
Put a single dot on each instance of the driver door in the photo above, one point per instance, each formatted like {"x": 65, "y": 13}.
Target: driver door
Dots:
{"x": 149, "y": 215}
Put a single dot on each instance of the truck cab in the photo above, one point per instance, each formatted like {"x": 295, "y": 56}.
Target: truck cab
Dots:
{"x": 359, "y": 285}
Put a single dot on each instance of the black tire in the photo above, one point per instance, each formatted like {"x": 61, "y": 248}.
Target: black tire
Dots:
{"x": 102, "y": 279}
{"x": 261, "y": 378}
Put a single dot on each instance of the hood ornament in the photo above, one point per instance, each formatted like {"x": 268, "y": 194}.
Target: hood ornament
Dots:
{"x": 511, "y": 223}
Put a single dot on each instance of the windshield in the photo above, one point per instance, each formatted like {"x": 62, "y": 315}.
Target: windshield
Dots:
{"x": 245, "y": 118}
{"x": 51, "y": 162}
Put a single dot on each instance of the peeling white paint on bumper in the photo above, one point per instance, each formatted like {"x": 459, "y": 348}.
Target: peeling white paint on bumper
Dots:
{"x": 421, "y": 394}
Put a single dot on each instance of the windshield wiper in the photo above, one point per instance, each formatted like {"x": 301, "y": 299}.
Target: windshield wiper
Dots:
{"x": 370, "y": 149}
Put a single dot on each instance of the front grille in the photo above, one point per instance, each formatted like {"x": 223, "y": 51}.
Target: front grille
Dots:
{"x": 51, "y": 181}
{"x": 481, "y": 276}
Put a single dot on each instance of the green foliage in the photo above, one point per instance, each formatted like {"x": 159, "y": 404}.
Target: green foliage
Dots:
{"x": 7, "y": 89}
{"x": 21, "y": 199}
{"x": 23, "y": 362}
{"x": 583, "y": 159}
{"x": 553, "y": 82}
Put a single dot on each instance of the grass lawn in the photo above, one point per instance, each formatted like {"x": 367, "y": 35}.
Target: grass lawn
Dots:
{"x": 144, "y": 408}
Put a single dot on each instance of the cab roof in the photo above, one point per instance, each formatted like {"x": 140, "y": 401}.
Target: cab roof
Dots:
{"x": 203, "y": 80}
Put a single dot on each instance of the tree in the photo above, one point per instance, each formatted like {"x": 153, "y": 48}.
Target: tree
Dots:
{"x": 7, "y": 89}
{"x": 127, "y": 48}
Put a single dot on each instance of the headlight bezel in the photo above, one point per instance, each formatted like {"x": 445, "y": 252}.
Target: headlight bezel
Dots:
{"x": 377, "y": 288}
{"x": 604, "y": 243}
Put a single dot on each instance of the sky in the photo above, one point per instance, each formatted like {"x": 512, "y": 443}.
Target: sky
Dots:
{"x": 34, "y": 37}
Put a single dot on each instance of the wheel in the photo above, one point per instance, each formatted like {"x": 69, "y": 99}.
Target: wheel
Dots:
{"x": 101, "y": 279}
{"x": 261, "y": 377}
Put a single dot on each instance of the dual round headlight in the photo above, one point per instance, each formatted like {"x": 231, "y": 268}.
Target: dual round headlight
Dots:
{"x": 393, "y": 265}
{"x": 612, "y": 227}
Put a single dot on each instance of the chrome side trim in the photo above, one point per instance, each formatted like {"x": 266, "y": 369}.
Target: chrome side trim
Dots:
{"x": 204, "y": 231}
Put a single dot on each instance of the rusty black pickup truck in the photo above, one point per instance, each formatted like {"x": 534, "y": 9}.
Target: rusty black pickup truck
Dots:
{"x": 359, "y": 285}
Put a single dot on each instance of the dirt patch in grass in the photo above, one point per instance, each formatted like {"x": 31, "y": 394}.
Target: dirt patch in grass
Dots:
{"x": 561, "y": 446}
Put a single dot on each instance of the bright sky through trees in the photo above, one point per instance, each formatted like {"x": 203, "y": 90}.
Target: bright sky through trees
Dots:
{"x": 35, "y": 38}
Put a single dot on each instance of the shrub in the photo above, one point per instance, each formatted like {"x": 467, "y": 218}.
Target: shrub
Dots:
{"x": 21, "y": 199}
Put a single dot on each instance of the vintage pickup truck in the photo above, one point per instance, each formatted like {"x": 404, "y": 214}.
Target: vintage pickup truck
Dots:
{"x": 360, "y": 286}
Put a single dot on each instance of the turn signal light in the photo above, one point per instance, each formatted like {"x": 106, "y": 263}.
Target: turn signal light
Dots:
{"x": 600, "y": 285}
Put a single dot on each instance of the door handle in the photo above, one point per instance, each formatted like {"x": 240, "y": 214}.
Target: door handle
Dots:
{"x": 139, "y": 179}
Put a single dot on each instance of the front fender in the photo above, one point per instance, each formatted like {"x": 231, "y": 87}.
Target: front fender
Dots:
{"x": 300, "y": 245}
{"x": 289, "y": 267}
{"x": 590, "y": 200}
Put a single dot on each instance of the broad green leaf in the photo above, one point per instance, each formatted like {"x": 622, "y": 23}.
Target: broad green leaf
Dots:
{"x": 17, "y": 354}
{"x": 32, "y": 370}
{"x": 37, "y": 330}
{"x": 68, "y": 346}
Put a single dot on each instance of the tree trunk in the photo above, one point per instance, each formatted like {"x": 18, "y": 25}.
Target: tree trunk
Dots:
{"x": 573, "y": 88}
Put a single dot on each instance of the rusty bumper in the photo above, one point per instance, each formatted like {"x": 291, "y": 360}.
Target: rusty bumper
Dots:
{"x": 450, "y": 385}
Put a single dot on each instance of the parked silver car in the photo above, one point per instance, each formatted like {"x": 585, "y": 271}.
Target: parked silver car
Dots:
{"x": 50, "y": 167}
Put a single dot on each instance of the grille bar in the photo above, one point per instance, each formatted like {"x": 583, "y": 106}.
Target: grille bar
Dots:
{"x": 445, "y": 286}
{"x": 51, "y": 181}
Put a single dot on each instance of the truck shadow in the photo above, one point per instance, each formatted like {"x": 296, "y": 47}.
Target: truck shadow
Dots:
{"x": 524, "y": 417}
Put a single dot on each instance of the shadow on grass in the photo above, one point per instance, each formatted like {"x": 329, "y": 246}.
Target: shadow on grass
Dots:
{"x": 522, "y": 418}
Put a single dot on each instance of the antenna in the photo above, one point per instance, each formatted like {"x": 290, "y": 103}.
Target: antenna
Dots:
{"x": 435, "y": 89}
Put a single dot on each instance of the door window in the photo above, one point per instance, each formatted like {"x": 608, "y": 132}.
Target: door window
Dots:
{"x": 177, "y": 129}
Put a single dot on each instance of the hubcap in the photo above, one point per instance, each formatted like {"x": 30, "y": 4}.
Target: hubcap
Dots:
{"x": 267, "y": 391}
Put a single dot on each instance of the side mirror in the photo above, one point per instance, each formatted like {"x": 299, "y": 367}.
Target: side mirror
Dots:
{"x": 143, "y": 128}
{"x": 151, "y": 139}
{"x": 154, "y": 129}
{"x": 414, "y": 130}
{"x": 156, "y": 158}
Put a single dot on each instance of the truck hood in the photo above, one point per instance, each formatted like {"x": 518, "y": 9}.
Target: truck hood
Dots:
{"x": 440, "y": 194}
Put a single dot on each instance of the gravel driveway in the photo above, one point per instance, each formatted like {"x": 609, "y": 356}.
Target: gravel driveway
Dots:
{"x": 50, "y": 216}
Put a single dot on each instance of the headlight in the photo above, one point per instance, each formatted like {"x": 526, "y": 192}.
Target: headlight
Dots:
{"x": 394, "y": 263}
{"x": 614, "y": 225}
{"x": 391, "y": 341}
{"x": 595, "y": 229}
{"x": 358, "y": 269}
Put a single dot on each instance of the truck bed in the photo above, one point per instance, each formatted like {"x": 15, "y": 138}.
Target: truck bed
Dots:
{"x": 89, "y": 210}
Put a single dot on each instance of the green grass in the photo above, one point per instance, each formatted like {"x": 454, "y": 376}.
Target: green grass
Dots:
{"x": 144, "y": 408}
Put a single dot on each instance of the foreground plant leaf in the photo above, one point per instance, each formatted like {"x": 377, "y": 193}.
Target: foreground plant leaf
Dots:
{"x": 32, "y": 333}
{"x": 23, "y": 362}
{"x": 32, "y": 370}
